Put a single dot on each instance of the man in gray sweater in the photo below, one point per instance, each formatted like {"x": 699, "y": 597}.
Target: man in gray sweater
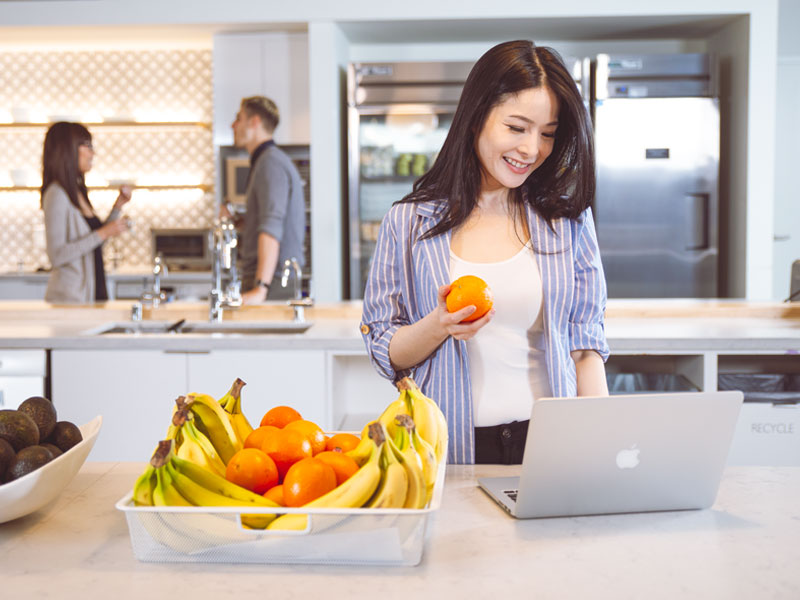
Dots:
{"x": 275, "y": 223}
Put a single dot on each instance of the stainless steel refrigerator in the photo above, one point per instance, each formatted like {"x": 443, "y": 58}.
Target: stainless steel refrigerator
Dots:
{"x": 398, "y": 117}
{"x": 657, "y": 130}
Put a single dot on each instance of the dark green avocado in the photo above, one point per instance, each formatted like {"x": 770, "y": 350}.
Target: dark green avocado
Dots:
{"x": 18, "y": 429}
{"x": 27, "y": 460}
{"x": 43, "y": 413}
{"x": 65, "y": 435}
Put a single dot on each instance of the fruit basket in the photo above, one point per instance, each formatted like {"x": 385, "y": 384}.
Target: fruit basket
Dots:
{"x": 362, "y": 536}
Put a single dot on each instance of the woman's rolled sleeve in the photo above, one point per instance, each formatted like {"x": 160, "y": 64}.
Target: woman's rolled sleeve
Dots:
{"x": 384, "y": 311}
{"x": 586, "y": 328}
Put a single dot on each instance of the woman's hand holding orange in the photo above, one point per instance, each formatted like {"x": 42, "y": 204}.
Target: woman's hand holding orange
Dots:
{"x": 453, "y": 324}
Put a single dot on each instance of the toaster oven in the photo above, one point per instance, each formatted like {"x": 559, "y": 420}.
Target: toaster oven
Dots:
{"x": 183, "y": 249}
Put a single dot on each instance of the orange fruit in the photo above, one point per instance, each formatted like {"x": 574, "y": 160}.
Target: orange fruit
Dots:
{"x": 467, "y": 291}
{"x": 307, "y": 480}
{"x": 342, "y": 465}
{"x": 256, "y": 437}
{"x": 312, "y": 431}
{"x": 343, "y": 441}
{"x": 252, "y": 469}
{"x": 275, "y": 493}
{"x": 286, "y": 447}
{"x": 280, "y": 416}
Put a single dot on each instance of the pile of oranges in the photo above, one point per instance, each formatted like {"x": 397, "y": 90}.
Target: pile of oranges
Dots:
{"x": 290, "y": 460}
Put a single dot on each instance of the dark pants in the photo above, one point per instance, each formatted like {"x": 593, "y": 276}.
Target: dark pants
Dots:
{"x": 501, "y": 444}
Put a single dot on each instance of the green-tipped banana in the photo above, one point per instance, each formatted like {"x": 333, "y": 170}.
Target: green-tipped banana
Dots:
{"x": 363, "y": 451}
{"x": 393, "y": 487}
{"x": 193, "y": 445}
{"x": 398, "y": 407}
{"x": 417, "y": 495}
{"x": 164, "y": 492}
{"x": 428, "y": 418}
{"x": 144, "y": 486}
{"x": 231, "y": 403}
{"x": 353, "y": 493}
{"x": 219, "y": 485}
{"x": 215, "y": 424}
{"x": 201, "y": 496}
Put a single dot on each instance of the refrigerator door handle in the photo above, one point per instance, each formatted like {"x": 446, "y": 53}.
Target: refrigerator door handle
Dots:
{"x": 697, "y": 211}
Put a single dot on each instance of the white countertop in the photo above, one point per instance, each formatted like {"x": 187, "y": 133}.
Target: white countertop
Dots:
{"x": 746, "y": 547}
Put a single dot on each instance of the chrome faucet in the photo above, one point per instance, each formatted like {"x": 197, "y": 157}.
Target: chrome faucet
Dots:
{"x": 226, "y": 285}
{"x": 155, "y": 296}
{"x": 298, "y": 303}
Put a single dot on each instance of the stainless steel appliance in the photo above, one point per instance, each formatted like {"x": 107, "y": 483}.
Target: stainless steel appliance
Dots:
{"x": 398, "y": 117}
{"x": 657, "y": 144}
{"x": 183, "y": 249}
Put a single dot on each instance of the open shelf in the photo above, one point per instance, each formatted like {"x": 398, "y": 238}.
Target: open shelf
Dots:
{"x": 203, "y": 186}
{"x": 203, "y": 124}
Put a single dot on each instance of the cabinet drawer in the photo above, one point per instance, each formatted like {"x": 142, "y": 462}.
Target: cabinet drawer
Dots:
{"x": 14, "y": 363}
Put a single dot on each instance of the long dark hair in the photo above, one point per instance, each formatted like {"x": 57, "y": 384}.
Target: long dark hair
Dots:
{"x": 562, "y": 186}
{"x": 60, "y": 159}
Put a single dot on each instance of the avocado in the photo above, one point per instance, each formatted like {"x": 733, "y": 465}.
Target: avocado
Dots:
{"x": 18, "y": 428}
{"x": 55, "y": 450}
{"x": 43, "y": 413}
{"x": 27, "y": 460}
{"x": 65, "y": 435}
{"x": 7, "y": 454}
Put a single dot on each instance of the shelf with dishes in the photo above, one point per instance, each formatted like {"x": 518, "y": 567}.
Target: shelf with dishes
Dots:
{"x": 202, "y": 186}
{"x": 114, "y": 123}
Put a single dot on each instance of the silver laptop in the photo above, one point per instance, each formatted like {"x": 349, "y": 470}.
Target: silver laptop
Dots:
{"x": 620, "y": 454}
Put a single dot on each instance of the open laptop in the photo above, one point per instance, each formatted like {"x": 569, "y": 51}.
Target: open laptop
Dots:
{"x": 620, "y": 454}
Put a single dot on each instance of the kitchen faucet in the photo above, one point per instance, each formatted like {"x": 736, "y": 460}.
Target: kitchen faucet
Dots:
{"x": 298, "y": 303}
{"x": 155, "y": 296}
{"x": 224, "y": 244}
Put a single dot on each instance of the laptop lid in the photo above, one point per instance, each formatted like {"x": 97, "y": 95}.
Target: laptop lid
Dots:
{"x": 626, "y": 453}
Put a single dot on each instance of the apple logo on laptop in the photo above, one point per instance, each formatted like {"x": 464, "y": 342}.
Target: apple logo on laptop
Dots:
{"x": 628, "y": 458}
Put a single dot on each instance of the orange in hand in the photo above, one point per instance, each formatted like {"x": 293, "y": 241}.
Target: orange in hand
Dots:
{"x": 312, "y": 431}
{"x": 252, "y": 469}
{"x": 280, "y": 416}
{"x": 343, "y": 441}
{"x": 344, "y": 466}
{"x": 307, "y": 480}
{"x": 470, "y": 290}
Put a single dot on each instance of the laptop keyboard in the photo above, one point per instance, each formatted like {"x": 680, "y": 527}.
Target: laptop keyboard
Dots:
{"x": 511, "y": 494}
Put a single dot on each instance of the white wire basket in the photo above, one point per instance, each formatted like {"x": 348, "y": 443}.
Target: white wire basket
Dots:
{"x": 347, "y": 536}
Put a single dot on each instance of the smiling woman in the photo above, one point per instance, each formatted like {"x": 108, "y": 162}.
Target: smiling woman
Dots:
{"x": 507, "y": 200}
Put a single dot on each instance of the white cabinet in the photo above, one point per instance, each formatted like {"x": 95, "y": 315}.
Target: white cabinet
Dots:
{"x": 133, "y": 390}
{"x": 22, "y": 374}
{"x": 296, "y": 378}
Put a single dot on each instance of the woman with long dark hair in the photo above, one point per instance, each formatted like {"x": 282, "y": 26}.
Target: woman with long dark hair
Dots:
{"x": 73, "y": 230}
{"x": 508, "y": 199}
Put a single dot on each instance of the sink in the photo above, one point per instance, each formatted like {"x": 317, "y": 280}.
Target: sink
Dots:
{"x": 200, "y": 328}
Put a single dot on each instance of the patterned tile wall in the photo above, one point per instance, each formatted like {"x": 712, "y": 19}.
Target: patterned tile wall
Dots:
{"x": 153, "y": 85}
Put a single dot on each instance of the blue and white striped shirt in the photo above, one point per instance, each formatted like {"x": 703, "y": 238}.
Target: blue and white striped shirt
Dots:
{"x": 402, "y": 288}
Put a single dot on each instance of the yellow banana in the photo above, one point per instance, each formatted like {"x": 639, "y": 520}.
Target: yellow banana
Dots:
{"x": 144, "y": 486}
{"x": 215, "y": 424}
{"x": 398, "y": 407}
{"x": 428, "y": 418}
{"x": 363, "y": 451}
{"x": 417, "y": 495}
{"x": 393, "y": 487}
{"x": 231, "y": 403}
{"x": 430, "y": 465}
{"x": 193, "y": 445}
{"x": 217, "y": 484}
{"x": 353, "y": 493}
{"x": 165, "y": 493}
{"x": 201, "y": 496}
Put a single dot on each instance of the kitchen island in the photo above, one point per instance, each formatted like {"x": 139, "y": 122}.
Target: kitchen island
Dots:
{"x": 745, "y": 546}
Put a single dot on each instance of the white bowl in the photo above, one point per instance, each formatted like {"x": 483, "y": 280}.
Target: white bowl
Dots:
{"x": 23, "y": 177}
{"x": 20, "y": 114}
{"x": 31, "y": 492}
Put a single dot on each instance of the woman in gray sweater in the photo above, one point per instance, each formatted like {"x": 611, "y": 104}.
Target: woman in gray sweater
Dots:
{"x": 73, "y": 230}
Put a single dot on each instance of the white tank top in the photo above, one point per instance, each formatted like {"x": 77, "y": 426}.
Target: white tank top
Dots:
{"x": 506, "y": 357}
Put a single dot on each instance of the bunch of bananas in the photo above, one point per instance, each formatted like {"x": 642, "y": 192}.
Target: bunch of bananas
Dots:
{"x": 173, "y": 481}
{"x": 398, "y": 457}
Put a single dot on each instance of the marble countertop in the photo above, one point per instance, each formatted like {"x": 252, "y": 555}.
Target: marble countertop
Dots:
{"x": 631, "y": 327}
{"x": 745, "y": 546}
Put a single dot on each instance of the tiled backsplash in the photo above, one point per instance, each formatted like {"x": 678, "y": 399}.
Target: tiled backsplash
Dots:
{"x": 100, "y": 87}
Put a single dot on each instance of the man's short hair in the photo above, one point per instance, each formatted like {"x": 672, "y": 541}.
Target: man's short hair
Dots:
{"x": 265, "y": 109}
